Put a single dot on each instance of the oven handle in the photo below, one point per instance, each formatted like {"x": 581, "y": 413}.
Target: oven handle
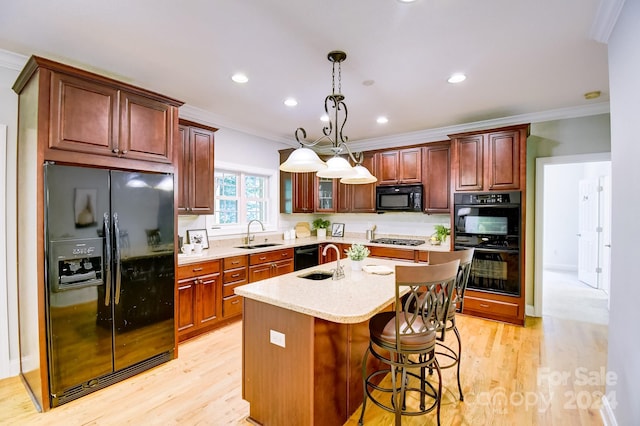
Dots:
{"x": 116, "y": 232}
{"x": 107, "y": 262}
{"x": 489, "y": 250}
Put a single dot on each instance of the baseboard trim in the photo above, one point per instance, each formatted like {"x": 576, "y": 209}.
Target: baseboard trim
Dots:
{"x": 606, "y": 413}
{"x": 530, "y": 311}
{"x": 563, "y": 267}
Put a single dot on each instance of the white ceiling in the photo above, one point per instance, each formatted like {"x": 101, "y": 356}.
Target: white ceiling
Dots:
{"x": 521, "y": 57}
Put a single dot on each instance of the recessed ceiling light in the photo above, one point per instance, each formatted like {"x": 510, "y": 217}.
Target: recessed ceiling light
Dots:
{"x": 239, "y": 78}
{"x": 457, "y": 78}
{"x": 290, "y": 102}
{"x": 382, "y": 120}
{"x": 324, "y": 118}
{"x": 406, "y": 1}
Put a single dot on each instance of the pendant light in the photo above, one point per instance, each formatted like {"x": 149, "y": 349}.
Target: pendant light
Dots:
{"x": 303, "y": 159}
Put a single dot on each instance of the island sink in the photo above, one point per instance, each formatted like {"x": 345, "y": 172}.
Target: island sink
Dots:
{"x": 316, "y": 275}
{"x": 255, "y": 246}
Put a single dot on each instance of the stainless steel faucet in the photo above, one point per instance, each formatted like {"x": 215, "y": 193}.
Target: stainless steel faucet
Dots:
{"x": 250, "y": 237}
{"x": 338, "y": 273}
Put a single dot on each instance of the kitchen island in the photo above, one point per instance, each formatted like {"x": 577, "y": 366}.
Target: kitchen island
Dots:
{"x": 303, "y": 342}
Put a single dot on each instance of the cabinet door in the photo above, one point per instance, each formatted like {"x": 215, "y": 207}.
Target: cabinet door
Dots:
{"x": 388, "y": 172}
{"x": 410, "y": 166}
{"x": 363, "y": 197}
{"x": 183, "y": 170}
{"x": 208, "y": 299}
{"x": 325, "y": 195}
{"x": 468, "y": 157}
{"x": 146, "y": 128}
{"x": 282, "y": 267}
{"x": 186, "y": 305}
{"x": 343, "y": 198}
{"x": 503, "y": 154}
{"x": 303, "y": 185}
{"x": 437, "y": 182}
{"x": 83, "y": 115}
{"x": 259, "y": 272}
{"x": 201, "y": 171}
{"x": 331, "y": 255}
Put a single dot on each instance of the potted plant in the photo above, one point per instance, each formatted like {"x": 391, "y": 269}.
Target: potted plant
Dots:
{"x": 321, "y": 225}
{"x": 440, "y": 235}
{"x": 357, "y": 253}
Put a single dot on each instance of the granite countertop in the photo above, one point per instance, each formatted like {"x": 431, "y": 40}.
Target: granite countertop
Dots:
{"x": 227, "y": 248}
{"x": 353, "y": 299}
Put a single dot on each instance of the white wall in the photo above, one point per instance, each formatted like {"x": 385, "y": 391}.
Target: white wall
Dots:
{"x": 624, "y": 345}
{"x": 9, "y": 351}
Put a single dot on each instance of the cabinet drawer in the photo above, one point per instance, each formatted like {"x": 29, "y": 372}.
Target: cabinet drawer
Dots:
{"x": 391, "y": 253}
{"x": 235, "y": 262}
{"x": 495, "y": 307}
{"x": 195, "y": 269}
{"x": 227, "y": 289}
{"x": 231, "y": 306}
{"x": 234, "y": 276}
{"x": 270, "y": 256}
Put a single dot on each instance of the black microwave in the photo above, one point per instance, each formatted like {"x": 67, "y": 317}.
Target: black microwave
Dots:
{"x": 400, "y": 198}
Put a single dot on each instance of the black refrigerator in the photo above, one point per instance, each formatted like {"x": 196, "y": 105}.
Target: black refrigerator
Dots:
{"x": 110, "y": 276}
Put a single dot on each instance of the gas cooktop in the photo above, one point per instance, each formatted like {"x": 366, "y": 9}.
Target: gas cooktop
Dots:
{"x": 398, "y": 241}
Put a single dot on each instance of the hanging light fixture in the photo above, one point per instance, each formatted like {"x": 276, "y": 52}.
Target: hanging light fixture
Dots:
{"x": 305, "y": 159}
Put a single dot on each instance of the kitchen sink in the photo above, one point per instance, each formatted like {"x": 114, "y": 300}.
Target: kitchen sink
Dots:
{"x": 255, "y": 246}
{"x": 317, "y": 275}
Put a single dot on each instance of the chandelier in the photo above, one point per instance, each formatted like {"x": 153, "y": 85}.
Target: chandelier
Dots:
{"x": 304, "y": 159}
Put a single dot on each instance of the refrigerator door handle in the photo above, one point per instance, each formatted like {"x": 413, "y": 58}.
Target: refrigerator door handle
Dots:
{"x": 116, "y": 231}
{"x": 107, "y": 261}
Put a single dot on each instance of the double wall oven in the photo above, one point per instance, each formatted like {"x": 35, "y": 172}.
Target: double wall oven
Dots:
{"x": 490, "y": 222}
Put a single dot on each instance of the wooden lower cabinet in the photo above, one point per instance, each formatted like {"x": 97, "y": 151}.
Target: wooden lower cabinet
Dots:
{"x": 234, "y": 274}
{"x": 494, "y": 306}
{"x": 316, "y": 379}
{"x": 270, "y": 264}
{"x": 331, "y": 253}
{"x": 199, "y": 298}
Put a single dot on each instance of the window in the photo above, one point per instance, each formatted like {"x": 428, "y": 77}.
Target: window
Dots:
{"x": 240, "y": 197}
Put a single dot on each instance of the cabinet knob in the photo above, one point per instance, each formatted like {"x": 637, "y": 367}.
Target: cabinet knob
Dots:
{"x": 115, "y": 150}
{"x": 197, "y": 269}
{"x": 124, "y": 152}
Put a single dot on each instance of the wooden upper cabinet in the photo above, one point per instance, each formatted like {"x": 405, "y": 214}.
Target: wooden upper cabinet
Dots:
{"x": 492, "y": 160}
{"x": 196, "y": 172}
{"x": 504, "y": 158}
{"x": 303, "y": 189}
{"x": 94, "y": 118}
{"x": 91, "y": 119}
{"x": 468, "y": 155}
{"x": 436, "y": 177}
{"x": 146, "y": 128}
{"x": 363, "y": 196}
{"x": 83, "y": 115}
{"x": 399, "y": 166}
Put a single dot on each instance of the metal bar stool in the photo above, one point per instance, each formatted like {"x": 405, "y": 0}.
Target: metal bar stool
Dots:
{"x": 404, "y": 340}
{"x": 465, "y": 257}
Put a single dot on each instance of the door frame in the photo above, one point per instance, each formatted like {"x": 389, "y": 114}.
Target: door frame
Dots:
{"x": 541, "y": 163}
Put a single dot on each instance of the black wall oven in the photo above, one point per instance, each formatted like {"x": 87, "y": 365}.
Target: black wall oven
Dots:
{"x": 490, "y": 222}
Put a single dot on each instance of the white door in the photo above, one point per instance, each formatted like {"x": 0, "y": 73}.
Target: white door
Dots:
{"x": 588, "y": 223}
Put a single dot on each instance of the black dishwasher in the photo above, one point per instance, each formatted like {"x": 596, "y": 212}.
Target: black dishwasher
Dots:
{"x": 305, "y": 257}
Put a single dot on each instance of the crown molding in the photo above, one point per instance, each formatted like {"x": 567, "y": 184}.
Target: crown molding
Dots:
{"x": 205, "y": 117}
{"x": 605, "y": 19}
{"x": 440, "y": 134}
{"x": 411, "y": 138}
{"x": 12, "y": 61}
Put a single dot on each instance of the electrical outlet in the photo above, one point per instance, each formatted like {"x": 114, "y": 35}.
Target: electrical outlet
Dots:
{"x": 276, "y": 338}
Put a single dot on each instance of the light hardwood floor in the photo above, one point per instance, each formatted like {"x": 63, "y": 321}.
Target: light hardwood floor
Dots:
{"x": 547, "y": 373}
